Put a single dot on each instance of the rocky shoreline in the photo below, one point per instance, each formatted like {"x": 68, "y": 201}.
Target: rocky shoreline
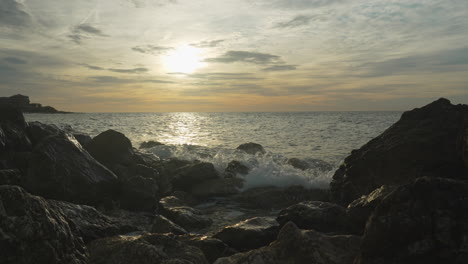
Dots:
{"x": 68, "y": 198}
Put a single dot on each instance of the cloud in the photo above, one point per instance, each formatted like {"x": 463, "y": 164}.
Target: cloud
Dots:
{"x": 208, "y": 43}
{"x": 441, "y": 61}
{"x": 245, "y": 56}
{"x": 14, "y": 60}
{"x": 301, "y": 4}
{"x": 116, "y": 80}
{"x": 152, "y": 49}
{"x": 297, "y": 21}
{"x": 145, "y": 3}
{"x": 85, "y": 31}
{"x": 97, "y": 68}
{"x": 12, "y": 13}
{"x": 280, "y": 68}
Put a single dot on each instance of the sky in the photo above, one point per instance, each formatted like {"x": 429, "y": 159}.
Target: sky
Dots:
{"x": 234, "y": 55}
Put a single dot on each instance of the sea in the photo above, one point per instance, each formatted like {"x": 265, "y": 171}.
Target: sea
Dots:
{"x": 214, "y": 137}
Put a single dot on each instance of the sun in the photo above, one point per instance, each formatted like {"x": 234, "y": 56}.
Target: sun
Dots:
{"x": 185, "y": 59}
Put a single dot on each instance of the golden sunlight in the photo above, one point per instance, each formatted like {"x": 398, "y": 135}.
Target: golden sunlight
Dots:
{"x": 184, "y": 59}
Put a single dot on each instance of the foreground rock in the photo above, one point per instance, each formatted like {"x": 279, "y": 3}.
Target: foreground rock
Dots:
{"x": 144, "y": 249}
{"x": 217, "y": 187}
{"x": 59, "y": 168}
{"x": 163, "y": 225}
{"x": 422, "y": 222}
{"x": 250, "y": 234}
{"x": 111, "y": 148}
{"x": 212, "y": 248}
{"x": 277, "y": 197}
{"x": 320, "y": 216}
{"x": 13, "y": 135}
{"x": 32, "y": 231}
{"x": 427, "y": 141}
{"x": 235, "y": 168}
{"x": 301, "y": 246}
{"x": 252, "y": 148}
{"x": 189, "y": 175}
{"x": 360, "y": 209}
{"x": 89, "y": 223}
{"x": 187, "y": 217}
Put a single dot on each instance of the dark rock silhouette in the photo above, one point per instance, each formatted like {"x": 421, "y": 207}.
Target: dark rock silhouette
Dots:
{"x": 425, "y": 221}
{"x": 212, "y": 248}
{"x": 22, "y": 103}
{"x": 250, "y": 234}
{"x": 35, "y": 232}
{"x": 251, "y": 148}
{"x": 426, "y": 141}
{"x": 235, "y": 167}
{"x": 163, "y": 225}
{"x": 185, "y": 216}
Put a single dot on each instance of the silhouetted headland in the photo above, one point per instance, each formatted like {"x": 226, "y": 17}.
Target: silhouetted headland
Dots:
{"x": 66, "y": 197}
{"x": 23, "y": 103}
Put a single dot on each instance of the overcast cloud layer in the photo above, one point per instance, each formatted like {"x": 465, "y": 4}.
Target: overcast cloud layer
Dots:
{"x": 255, "y": 55}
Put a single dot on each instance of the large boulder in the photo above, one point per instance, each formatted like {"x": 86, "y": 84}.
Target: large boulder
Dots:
{"x": 13, "y": 135}
{"x": 321, "y": 216}
{"x": 59, "y": 168}
{"x": 38, "y": 131}
{"x": 360, "y": 209}
{"x": 234, "y": 168}
{"x": 110, "y": 148}
{"x": 301, "y": 246}
{"x": 89, "y": 223}
{"x": 12, "y": 115}
{"x": 144, "y": 249}
{"x": 163, "y": 225}
{"x": 189, "y": 175}
{"x": 278, "y": 197}
{"x": 251, "y": 148}
{"x": 427, "y": 141}
{"x": 32, "y": 231}
{"x": 250, "y": 234}
{"x": 10, "y": 177}
{"x": 422, "y": 222}
{"x": 185, "y": 216}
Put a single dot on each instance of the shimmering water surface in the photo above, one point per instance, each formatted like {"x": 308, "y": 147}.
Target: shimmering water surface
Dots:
{"x": 329, "y": 136}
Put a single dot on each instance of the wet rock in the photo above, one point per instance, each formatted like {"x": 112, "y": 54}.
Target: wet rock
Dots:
{"x": 140, "y": 219}
{"x": 187, "y": 217}
{"x": 144, "y": 249}
{"x": 2, "y": 139}
{"x": 38, "y": 131}
{"x": 83, "y": 139}
{"x": 320, "y": 216}
{"x": 234, "y": 168}
{"x": 421, "y": 222}
{"x": 212, "y": 248}
{"x": 139, "y": 193}
{"x": 310, "y": 164}
{"x": 13, "y": 116}
{"x": 301, "y": 246}
{"x": 426, "y": 141}
{"x": 110, "y": 148}
{"x": 277, "y": 197}
{"x": 150, "y": 144}
{"x": 163, "y": 225}
{"x": 360, "y": 209}
{"x": 250, "y": 234}
{"x": 34, "y": 232}
{"x": 217, "y": 187}
{"x": 188, "y": 176}
{"x": 89, "y": 223}
{"x": 59, "y": 168}
{"x": 10, "y": 177}
{"x": 251, "y": 148}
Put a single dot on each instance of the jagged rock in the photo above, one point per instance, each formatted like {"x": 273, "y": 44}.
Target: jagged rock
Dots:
{"x": 212, "y": 248}
{"x": 250, "y": 234}
{"x": 187, "y": 176}
{"x": 90, "y": 224}
{"x": 425, "y": 221}
{"x": 251, "y": 148}
{"x": 10, "y": 177}
{"x": 217, "y": 187}
{"x": 144, "y": 249}
{"x": 12, "y": 115}
{"x": 163, "y": 225}
{"x": 150, "y": 144}
{"x": 320, "y": 216}
{"x": 13, "y": 130}
{"x": 187, "y": 217}
{"x": 310, "y": 164}
{"x": 277, "y": 197}
{"x": 301, "y": 246}
{"x": 59, "y": 168}
{"x": 32, "y": 231}
{"x": 110, "y": 148}
{"x": 234, "y": 168}
{"x": 360, "y": 209}
{"x": 426, "y": 141}
{"x": 38, "y": 131}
